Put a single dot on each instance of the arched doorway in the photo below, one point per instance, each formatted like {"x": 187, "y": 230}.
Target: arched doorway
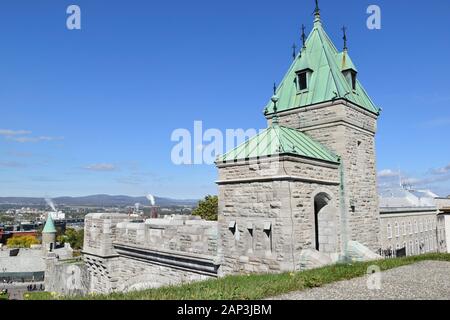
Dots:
{"x": 324, "y": 223}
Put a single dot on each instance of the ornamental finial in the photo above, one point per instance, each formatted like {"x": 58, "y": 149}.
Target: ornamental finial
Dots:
{"x": 303, "y": 36}
{"x": 344, "y": 30}
{"x": 275, "y": 109}
{"x": 317, "y": 10}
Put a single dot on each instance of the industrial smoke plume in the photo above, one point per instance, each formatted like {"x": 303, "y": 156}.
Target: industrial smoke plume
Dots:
{"x": 151, "y": 198}
{"x": 50, "y": 204}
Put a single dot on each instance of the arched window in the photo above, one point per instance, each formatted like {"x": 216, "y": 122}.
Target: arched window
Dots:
{"x": 397, "y": 230}
{"x": 404, "y": 228}
{"x": 421, "y": 226}
{"x": 411, "y": 248}
{"x": 426, "y": 225}
{"x": 416, "y": 227}
{"x": 410, "y": 227}
{"x": 389, "y": 231}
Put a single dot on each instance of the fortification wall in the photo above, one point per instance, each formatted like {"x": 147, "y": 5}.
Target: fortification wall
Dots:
{"x": 67, "y": 277}
{"x": 123, "y": 255}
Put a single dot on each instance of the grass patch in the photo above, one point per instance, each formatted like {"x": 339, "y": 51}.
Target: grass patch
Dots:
{"x": 256, "y": 286}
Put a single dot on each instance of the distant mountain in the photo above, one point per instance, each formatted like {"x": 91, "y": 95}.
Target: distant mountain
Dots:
{"x": 100, "y": 200}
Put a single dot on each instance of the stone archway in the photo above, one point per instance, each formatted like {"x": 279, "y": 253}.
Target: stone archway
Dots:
{"x": 325, "y": 223}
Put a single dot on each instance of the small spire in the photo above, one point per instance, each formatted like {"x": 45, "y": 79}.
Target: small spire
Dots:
{"x": 275, "y": 109}
{"x": 317, "y": 12}
{"x": 344, "y": 30}
{"x": 294, "y": 51}
{"x": 303, "y": 36}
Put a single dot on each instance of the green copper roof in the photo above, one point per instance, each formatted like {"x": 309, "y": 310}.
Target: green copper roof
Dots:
{"x": 49, "y": 225}
{"x": 327, "y": 82}
{"x": 279, "y": 140}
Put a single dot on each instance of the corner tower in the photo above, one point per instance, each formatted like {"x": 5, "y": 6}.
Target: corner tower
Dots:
{"x": 321, "y": 96}
{"x": 49, "y": 235}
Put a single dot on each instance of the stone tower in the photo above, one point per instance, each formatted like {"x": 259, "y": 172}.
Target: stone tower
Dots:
{"x": 306, "y": 186}
{"x": 49, "y": 235}
{"x": 321, "y": 96}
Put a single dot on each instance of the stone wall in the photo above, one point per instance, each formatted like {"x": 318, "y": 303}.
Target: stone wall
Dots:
{"x": 349, "y": 131}
{"x": 181, "y": 234}
{"x": 266, "y": 212}
{"x": 123, "y": 255}
{"x": 67, "y": 277}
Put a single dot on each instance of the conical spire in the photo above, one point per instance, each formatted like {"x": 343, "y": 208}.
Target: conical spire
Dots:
{"x": 326, "y": 80}
{"x": 49, "y": 225}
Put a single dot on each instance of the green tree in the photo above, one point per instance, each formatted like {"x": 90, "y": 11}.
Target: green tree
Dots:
{"x": 74, "y": 237}
{"x": 21, "y": 241}
{"x": 207, "y": 209}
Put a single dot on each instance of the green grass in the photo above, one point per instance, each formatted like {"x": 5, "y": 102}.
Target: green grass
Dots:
{"x": 254, "y": 287}
{"x": 4, "y": 297}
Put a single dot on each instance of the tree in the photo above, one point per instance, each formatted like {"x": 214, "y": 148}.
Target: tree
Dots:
{"x": 21, "y": 241}
{"x": 207, "y": 209}
{"x": 74, "y": 237}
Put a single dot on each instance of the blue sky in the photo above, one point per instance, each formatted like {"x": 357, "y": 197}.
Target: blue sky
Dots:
{"x": 92, "y": 111}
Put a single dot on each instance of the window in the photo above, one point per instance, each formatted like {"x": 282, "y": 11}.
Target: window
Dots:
{"x": 432, "y": 243}
{"x": 354, "y": 80}
{"x": 404, "y": 228}
{"x": 426, "y": 225}
{"x": 421, "y": 226}
{"x": 268, "y": 232}
{"x": 416, "y": 226}
{"x": 411, "y": 248}
{"x": 410, "y": 227}
{"x": 389, "y": 231}
{"x": 417, "y": 247}
{"x": 397, "y": 230}
{"x": 302, "y": 81}
{"x": 350, "y": 76}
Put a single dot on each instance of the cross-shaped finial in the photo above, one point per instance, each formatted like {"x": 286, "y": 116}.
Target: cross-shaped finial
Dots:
{"x": 303, "y": 36}
{"x": 274, "y": 89}
{"x": 317, "y": 10}
{"x": 294, "y": 51}
{"x": 344, "y": 30}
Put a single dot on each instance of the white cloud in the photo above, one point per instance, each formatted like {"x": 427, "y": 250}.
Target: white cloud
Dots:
{"x": 10, "y": 133}
{"x": 387, "y": 173}
{"x": 34, "y": 139}
{"x": 23, "y": 136}
{"x": 443, "y": 170}
{"x": 101, "y": 167}
{"x": 12, "y": 164}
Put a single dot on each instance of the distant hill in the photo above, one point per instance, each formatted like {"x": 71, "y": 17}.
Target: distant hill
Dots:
{"x": 100, "y": 200}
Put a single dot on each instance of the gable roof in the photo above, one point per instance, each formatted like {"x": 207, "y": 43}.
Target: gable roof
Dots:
{"x": 327, "y": 82}
{"x": 279, "y": 140}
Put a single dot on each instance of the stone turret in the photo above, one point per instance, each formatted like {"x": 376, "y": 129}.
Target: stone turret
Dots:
{"x": 49, "y": 235}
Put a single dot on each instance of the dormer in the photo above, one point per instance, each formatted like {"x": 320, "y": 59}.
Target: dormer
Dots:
{"x": 348, "y": 70}
{"x": 350, "y": 76}
{"x": 303, "y": 79}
